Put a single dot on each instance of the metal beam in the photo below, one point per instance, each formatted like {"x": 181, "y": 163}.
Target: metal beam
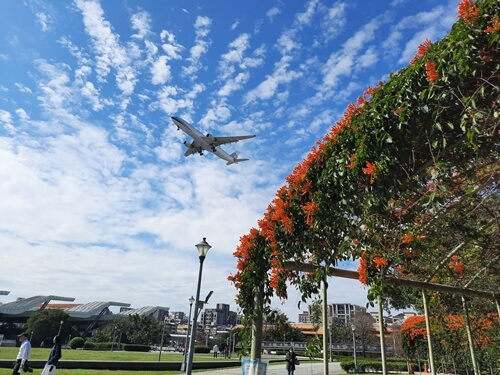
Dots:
{"x": 347, "y": 274}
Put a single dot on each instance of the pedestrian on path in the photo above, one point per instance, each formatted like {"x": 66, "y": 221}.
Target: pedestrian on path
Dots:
{"x": 54, "y": 356}
{"x": 291, "y": 360}
{"x": 216, "y": 350}
{"x": 23, "y": 355}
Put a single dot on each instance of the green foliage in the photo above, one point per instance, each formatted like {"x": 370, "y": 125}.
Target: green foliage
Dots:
{"x": 313, "y": 348}
{"x": 201, "y": 349}
{"x": 77, "y": 343}
{"x": 373, "y": 365}
{"x": 132, "y": 329}
{"x": 136, "y": 348}
{"x": 45, "y": 325}
{"x": 406, "y": 176}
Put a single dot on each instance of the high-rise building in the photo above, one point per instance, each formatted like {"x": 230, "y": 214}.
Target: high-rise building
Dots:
{"x": 218, "y": 316}
{"x": 336, "y": 312}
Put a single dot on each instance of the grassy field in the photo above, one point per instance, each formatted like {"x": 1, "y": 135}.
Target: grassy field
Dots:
{"x": 90, "y": 355}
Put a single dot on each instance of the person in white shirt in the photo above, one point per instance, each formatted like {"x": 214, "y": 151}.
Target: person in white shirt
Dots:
{"x": 23, "y": 355}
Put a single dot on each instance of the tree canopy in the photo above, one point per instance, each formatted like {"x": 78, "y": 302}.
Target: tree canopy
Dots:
{"x": 406, "y": 182}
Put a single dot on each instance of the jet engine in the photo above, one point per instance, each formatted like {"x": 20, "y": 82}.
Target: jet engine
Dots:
{"x": 211, "y": 138}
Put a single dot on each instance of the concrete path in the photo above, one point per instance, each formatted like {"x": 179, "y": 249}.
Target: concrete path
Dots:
{"x": 305, "y": 368}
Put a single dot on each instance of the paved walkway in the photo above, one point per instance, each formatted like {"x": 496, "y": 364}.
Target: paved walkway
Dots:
{"x": 306, "y": 368}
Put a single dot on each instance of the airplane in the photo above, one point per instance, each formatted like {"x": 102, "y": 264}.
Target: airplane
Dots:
{"x": 208, "y": 143}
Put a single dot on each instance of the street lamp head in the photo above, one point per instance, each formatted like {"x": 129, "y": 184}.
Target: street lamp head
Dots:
{"x": 191, "y": 300}
{"x": 203, "y": 248}
{"x": 353, "y": 327}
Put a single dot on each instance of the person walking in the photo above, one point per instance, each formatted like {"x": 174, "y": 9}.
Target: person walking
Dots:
{"x": 54, "y": 356}
{"x": 23, "y": 355}
{"x": 291, "y": 360}
{"x": 216, "y": 350}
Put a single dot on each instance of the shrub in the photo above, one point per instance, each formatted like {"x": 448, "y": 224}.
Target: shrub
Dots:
{"x": 201, "y": 349}
{"x": 89, "y": 345}
{"x": 76, "y": 342}
{"x": 136, "y": 348}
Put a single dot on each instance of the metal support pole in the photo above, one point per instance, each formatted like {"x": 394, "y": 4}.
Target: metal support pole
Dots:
{"x": 354, "y": 348}
{"x": 162, "y": 334}
{"x": 382, "y": 334}
{"x": 183, "y": 366}
{"x": 325, "y": 325}
{"x": 429, "y": 332}
{"x": 189, "y": 367}
{"x": 469, "y": 338}
{"x": 256, "y": 349}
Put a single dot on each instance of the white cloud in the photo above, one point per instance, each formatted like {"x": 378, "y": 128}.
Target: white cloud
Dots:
{"x": 273, "y": 12}
{"x": 160, "y": 71}
{"x": 109, "y": 53}
{"x": 43, "y": 20}
{"x": 202, "y": 30}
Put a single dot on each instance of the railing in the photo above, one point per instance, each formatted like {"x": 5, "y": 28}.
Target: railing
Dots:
{"x": 270, "y": 345}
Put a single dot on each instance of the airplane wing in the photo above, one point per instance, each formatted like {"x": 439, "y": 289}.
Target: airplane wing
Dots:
{"x": 219, "y": 141}
{"x": 192, "y": 148}
{"x": 190, "y": 151}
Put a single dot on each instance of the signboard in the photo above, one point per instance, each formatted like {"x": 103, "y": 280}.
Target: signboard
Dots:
{"x": 254, "y": 367}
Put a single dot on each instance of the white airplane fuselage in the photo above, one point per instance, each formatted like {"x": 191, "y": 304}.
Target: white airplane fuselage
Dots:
{"x": 201, "y": 142}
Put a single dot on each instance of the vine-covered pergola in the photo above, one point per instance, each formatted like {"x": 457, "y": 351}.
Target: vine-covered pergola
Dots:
{"x": 407, "y": 182}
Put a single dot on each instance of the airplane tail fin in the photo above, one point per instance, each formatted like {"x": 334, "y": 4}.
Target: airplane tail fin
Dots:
{"x": 234, "y": 156}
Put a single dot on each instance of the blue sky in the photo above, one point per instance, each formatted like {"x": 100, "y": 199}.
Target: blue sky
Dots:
{"x": 98, "y": 201}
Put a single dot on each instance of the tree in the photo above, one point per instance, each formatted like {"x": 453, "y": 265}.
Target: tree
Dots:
{"x": 143, "y": 330}
{"x": 45, "y": 325}
{"x": 364, "y": 331}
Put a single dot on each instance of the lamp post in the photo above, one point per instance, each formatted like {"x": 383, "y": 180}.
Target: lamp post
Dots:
{"x": 353, "y": 327}
{"x": 183, "y": 367}
{"x": 330, "y": 334}
{"x": 202, "y": 248}
{"x": 162, "y": 334}
{"x": 60, "y": 326}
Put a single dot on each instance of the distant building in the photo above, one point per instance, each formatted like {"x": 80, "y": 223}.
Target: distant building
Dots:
{"x": 219, "y": 316}
{"x": 342, "y": 313}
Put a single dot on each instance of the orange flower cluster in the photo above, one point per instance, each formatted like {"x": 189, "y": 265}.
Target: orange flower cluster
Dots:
{"x": 274, "y": 278}
{"x": 352, "y": 161}
{"x": 414, "y": 326}
{"x": 430, "y": 70}
{"x": 468, "y": 11}
{"x": 456, "y": 264}
{"x": 421, "y": 51}
{"x": 310, "y": 209}
{"x": 407, "y": 238}
{"x": 494, "y": 25}
{"x": 398, "y": 111}
{"x": 370, "y": 169}
{"x": 380, "y": 262}
{"x": 362, "y": 271}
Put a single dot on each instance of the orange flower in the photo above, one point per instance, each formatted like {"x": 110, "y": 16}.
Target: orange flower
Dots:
{"x": 310, "y": 209}
{"x": 494, "y": 25}
{"x": 407, "y": 238}
{"x": 362, "y": 271}
{"x": 370, "y": 169}
{"x": 468, "y": 11}
{"x": 352, "y": 162}
{"x": 459, "y": 267}
{"x": 398, "y": 110}
{"x": 430, "y": 70}
{"x": 380, "y": 261}
{"x": 421, "y": 50}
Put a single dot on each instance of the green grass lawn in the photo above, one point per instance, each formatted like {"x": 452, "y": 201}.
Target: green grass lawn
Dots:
{"x": 94, "y": 355}
{"x": 91, "y": 355}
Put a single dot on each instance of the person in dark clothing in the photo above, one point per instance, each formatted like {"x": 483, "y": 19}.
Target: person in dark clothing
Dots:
{"x": 54, "y": 356}
{"x": 290, "y": 359}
